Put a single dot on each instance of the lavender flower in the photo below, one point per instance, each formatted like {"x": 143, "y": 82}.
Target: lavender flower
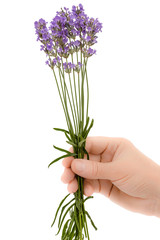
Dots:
{"x": 77, "y": 43}
{"x": 90, "y": 52}
{"x": 68, "y": 67}
{"x": 43, "y": 35}
{"x": 68, "y": 32}
{"x": 78, "y": 67}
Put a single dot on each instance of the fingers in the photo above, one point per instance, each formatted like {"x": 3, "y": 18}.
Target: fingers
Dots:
{"x": 67, "y": 175}
{"x": 97, "y": 145}
{"x": 105, "y": 187}
{"x": 88, "y": 187}
{"x": 94, "y": 170}
{"x": 73, "y": 186}
{"x": 67, "y": 162}
{"x": 91, "y": 186}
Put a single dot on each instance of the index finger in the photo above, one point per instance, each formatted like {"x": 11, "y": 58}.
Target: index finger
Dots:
{"x": 98, "y": 145}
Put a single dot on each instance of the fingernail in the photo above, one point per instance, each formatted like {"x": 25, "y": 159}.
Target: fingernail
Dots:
{"x": 79, "y": 165}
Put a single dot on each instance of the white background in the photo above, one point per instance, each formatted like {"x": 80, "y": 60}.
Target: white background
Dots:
{"x": 124, "y": 101}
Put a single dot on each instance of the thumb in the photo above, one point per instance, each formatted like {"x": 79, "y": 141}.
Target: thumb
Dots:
{"x": 93, "y": 170}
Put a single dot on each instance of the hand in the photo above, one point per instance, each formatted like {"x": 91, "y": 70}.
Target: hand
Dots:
{"x": 118, "y": 170}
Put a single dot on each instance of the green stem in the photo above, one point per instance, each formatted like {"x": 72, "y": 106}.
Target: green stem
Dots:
{"x": 66, "y": 91}
{"x": 79, "y": 93}
{"x": 74, "y": 104}
{"x": 80, "y": 224}
{"x": 82, "y": 92}
{"x": 72, "y": 98}
{"x": 67, "y": 120}
{"x": 75, "y": 91}
{"x": 87, "y": 88}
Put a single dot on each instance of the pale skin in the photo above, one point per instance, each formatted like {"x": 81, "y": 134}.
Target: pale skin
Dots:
{"x": 119, "y": 171}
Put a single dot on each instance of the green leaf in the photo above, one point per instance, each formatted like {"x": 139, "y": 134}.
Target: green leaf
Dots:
{"x": 71, "y": 213}
{"x": 76, "y": 218}
{"x": 65, "y": 228}
{"x": 81, "y": 142}
{"x": 64, "y": 156}
{"x": 67, "y": 136}
{"x": 68, "y": 230}
{"x": 63, "y": 211}
{"x": 81, "y": 127}
{"x": 87, "y": 121}
{"x": 87, "y": 198}
{"x": 65, "y": 132}
{"x": 79, "y": 204}
{"x": 61, "y": 149}
{"x": 85, "y": 151}
{"x": 71, "y": 143}
{"x": 64, "y": 218}
{"x": 83, "y": 221}
{"x": 59, "y": 208}
{"x": 91, "y": 125}
{"x": 90, "y": 220}
{"x": 72, "y": 233}
{"x": 61, "y": 130}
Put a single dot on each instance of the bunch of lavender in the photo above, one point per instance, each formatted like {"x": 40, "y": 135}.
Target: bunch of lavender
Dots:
{"x": 67, "y": 43}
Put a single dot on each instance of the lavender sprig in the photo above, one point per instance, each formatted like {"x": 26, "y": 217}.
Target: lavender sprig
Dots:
{"x": 68, "y": 44}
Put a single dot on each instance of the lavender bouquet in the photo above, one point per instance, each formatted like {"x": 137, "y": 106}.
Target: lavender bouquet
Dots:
{"x": 67, "y": 43}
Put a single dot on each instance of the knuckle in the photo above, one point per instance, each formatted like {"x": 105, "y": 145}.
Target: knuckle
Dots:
{"x": 95, "y": 169}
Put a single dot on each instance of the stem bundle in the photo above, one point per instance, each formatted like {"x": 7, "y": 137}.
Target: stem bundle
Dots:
{"x": 75, "y": 102}
{"x": 68, "y": 42}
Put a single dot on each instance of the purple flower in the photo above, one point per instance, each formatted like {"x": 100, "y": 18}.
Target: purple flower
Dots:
{"x": 90, "y": 51}
{"x": 71, "y": 65}
{"x": 74, "y": 9}
{"x": 66, "y": 9}
{"x": 88, "y": 38}
{"x": 80, "y": 64}
{"x": 78, "y": 67}
{"x": 49, "y": 47}
{"x": 89, "y": 28}
{"x": 81, "y": 7}
{"x": 45, "y": 36}
{"x": 68, "y": 67}
{"x": 68, "y": 32}
{"x": 42, "y": 47}
{"x": 60, "y": 50}
{"x": 77, "y": 43}
{"x": 65, "y": 66}
{"x": 47, "y": 62}
{"x": 56, "y": 60}
{"x": 42, "y": 21}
